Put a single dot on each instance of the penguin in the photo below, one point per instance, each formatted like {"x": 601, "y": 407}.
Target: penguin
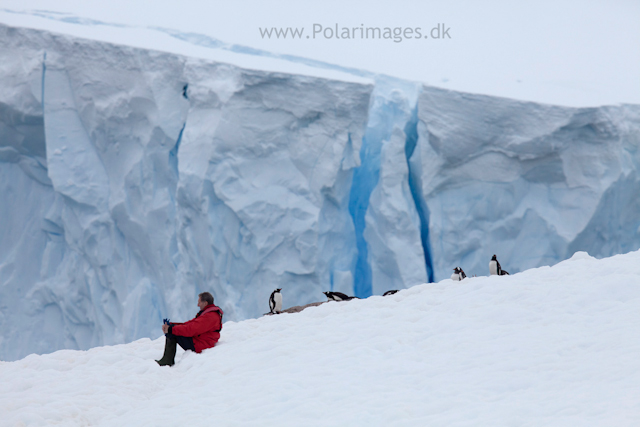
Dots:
{"x": 458, "y": 274}
{"x": 337, "y": 296}
{"x": 495, "y": 268}
{"x": 391, "y": 292}
{"x": 275, "y": 301}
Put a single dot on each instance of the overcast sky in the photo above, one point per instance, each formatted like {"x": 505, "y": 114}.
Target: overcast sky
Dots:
{"x": 562, "y": 52}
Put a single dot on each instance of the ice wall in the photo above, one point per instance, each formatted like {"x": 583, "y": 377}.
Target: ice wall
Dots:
{"x": 265, "y": 166}
{"x": 131, "y": 180}
{"x": 529, "y": 182}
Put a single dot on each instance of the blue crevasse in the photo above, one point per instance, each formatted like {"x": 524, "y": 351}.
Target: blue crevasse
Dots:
{"x": 390, "y": 109}
{"x": 411, "y": 131}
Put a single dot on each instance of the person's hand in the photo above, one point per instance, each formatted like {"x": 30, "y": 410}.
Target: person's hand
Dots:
{"x": 165, "y": 328}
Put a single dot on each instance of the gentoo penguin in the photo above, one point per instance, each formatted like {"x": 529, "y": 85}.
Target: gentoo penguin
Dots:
{"x": 390, "y": 292}
{"x": 337, "y": 296}
{"x": 458, "y": 274}
{"x": 495, "y": 268}
{"x": 275, "y": 301}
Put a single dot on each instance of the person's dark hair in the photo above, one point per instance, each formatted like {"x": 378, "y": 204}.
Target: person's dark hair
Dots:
{"x": 206, "y": 297}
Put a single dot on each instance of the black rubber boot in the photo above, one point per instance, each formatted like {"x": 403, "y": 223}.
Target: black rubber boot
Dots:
{"x": 169, "y": 353}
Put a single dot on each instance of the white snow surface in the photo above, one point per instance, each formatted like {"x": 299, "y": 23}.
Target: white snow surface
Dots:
{"x": 552, "y": 346}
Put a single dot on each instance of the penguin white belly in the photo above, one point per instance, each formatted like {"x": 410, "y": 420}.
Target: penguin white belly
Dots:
{"x": 493, "y": 267}
{"x": 278, "y": 302}
{"x": 456, "y": 277}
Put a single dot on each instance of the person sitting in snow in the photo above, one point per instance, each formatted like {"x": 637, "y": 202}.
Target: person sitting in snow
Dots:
{"x": 197, "y": 334}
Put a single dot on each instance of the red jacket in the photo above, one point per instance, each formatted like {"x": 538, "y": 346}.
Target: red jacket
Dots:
{"x": 204, "y": 328}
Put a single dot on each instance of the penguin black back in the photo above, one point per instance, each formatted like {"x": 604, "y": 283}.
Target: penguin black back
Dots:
{"x": 275, "y": 301}
{"x": 337, "y": 296}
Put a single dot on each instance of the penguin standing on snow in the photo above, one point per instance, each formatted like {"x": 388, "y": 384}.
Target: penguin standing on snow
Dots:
{"x": 275, "y": 301}
{"x": 337, "y": 296}
{"x": 495, "y": 269}
{"x": 458, "y": 274}
{"x": 391, "y": 292}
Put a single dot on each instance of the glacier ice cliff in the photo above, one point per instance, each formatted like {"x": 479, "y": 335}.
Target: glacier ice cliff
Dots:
{"x": 131, "y": 180}
{"x": 531, "y": 183}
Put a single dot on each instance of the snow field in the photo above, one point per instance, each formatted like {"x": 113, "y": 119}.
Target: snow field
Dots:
{"x": 551, "y": 346}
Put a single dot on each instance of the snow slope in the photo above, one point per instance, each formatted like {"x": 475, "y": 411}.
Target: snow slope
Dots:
{"x": 551, "y": 346}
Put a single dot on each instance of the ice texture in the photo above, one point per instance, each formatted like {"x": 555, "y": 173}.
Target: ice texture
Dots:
{"x": 532, "y": 183}
{"x": 133, "y": 179}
